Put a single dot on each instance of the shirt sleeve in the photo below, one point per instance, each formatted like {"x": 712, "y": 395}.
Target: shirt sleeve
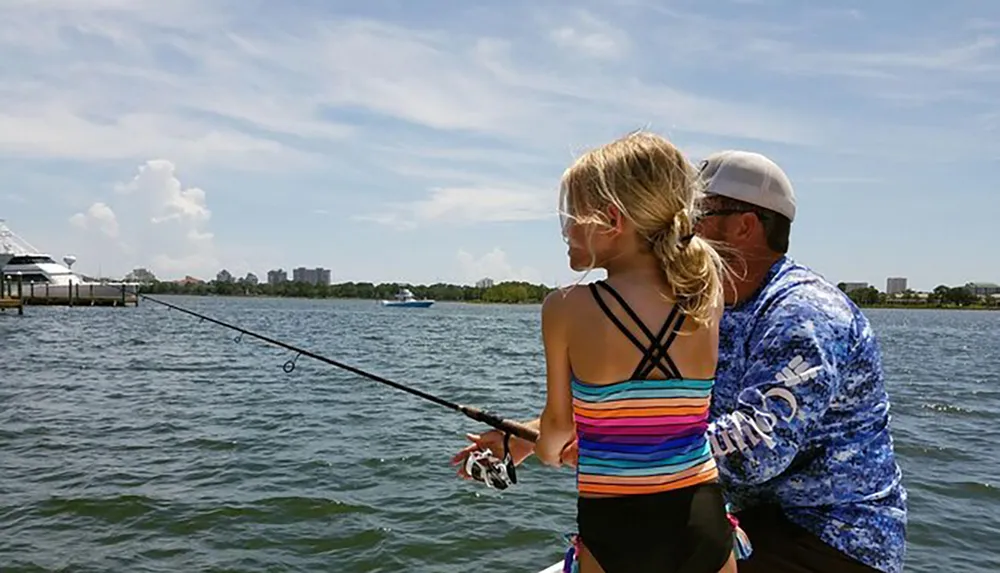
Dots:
{"x": 787, "y": 386}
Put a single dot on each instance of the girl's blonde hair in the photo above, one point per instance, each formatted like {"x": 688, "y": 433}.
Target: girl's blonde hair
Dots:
{"x": 653, "y": 185}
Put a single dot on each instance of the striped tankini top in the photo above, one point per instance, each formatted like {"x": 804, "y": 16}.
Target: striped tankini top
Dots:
{"x": 643, "y": 435}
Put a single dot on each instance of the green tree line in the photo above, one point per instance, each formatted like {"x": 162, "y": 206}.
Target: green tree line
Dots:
{"x": 942, "y": 296}
{"x": 510, "y": 292}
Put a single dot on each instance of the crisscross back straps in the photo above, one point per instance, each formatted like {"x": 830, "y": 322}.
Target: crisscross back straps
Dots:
{"x": 654, "y": 355}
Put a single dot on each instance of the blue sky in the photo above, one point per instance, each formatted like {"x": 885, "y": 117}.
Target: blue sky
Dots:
{"x": 424, "y": 141}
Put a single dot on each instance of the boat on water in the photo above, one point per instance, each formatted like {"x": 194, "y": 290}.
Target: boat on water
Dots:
{"x": 41, "y": 276}
{"x": 405, "y": 298}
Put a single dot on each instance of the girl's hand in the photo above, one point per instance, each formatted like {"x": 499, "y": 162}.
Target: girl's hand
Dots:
{"x": 547, "y": 452}
{"x": 493, "y": 441}
{"x": 554, "y": 438}
{"x": 568, "y": 456}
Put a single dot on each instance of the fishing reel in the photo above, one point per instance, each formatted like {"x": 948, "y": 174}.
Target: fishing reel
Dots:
{"x": 496, "y": 473}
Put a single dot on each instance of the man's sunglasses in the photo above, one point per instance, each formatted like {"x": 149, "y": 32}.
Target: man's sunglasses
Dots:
{"x": 717, "y": 212}
{"x": 731, "y": 211}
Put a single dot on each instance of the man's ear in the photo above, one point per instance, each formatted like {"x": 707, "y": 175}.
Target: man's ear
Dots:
{"x": 746, "y": 226}
{"x": 615, "y": 220}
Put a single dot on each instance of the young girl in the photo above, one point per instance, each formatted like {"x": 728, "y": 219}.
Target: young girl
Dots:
{"x": 630, "y": 364}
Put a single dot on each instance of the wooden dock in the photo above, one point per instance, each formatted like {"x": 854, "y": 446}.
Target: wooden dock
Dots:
{"x": 81, "y": 301}
{"x": 9, "y": 303}
{"x": 15, "y": 294}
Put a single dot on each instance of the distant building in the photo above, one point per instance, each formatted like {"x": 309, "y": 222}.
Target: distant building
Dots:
{"x": 224, "y": 276}
{"x": 189, "y": 280}
{"x": 317, "y": 276}
{"x": 276, "y": 277}
{"x": 484, "y": 283}
{"x": 983, "y": 289}
{"x": 895, "y": 285}
{"x": 848, "y": 287}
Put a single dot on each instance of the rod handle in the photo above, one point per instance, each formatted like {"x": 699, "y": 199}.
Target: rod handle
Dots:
{"x": 514, "y": 428}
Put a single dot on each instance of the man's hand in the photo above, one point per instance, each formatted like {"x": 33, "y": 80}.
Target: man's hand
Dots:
{"x": 519, "y": 450}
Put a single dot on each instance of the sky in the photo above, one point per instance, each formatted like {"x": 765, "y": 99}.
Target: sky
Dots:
{"x": 424, "y": 141}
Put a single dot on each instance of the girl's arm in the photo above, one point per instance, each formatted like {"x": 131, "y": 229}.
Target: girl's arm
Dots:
{"x": 557, "y": 428}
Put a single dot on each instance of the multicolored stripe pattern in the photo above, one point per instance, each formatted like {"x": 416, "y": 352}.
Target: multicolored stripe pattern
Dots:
{"x": 642, "y": 436}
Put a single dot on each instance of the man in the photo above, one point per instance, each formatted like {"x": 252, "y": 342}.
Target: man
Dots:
{"x": 800, "y": 414}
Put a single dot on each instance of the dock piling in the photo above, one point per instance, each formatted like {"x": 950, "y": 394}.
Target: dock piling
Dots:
{"x": 7, "y": 301}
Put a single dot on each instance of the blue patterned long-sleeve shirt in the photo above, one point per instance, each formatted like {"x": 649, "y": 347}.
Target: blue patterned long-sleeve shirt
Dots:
{"x": 800, "y": 416}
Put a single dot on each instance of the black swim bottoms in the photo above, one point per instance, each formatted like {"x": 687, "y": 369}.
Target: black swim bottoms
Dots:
{"x": 780, "y": 546}
{"x": 682, "y": 531}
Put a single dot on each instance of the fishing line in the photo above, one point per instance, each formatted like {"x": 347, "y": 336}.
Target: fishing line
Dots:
{"x": 485, "y": 416}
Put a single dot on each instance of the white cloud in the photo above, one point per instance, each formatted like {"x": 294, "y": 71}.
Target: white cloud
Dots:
{"x": 972, "y": 57}
{"x": 794, "y": 45}
{"x": 99, "y": 216}
{"x": 55, "y": 132}
{"x": 157, "y": 184}
{"x": 468, "y": 206}
{"x": 395, "y": 220}
{"x": 131, "y": 81}
{"x": 841, "y": 180}
{"x": 141, "y": 79}
{"x": 89, "y": 81}
{"x": 982, "y": 24}
{"x": 592, "y": 37}
{"x": 140, "y": 6}
{"x": 494, "y": 265}
{"x": 476, "y": 205}
{"x": 203, "y": 84}
{"x": 158, "y": 223}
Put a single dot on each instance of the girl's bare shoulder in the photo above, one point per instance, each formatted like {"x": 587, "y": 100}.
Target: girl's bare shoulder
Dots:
{"x": 567, "y": 304}
{"x": 567, "y": 297}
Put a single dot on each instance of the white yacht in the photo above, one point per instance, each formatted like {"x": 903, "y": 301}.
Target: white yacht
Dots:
{"x": 40, "y": 275}
{"x": 6, "y": 244}
{"x": 405, "y": 298}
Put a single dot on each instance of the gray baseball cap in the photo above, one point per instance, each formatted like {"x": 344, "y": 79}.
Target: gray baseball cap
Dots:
{"x": 749, "y": 177}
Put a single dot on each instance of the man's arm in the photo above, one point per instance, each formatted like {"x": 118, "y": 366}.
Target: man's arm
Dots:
{"x": 791, "y": 377}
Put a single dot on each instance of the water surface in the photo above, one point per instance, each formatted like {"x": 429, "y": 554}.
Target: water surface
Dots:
{"x": 142, "y": 440}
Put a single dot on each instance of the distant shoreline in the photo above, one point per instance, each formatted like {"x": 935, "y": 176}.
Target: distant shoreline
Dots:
{"x": 928, "y": 307}
{"x": 529, "y": 302}
{"x": 347, "y": 298}
{"x": 509, "y": 292}
{"x": 506, "y": 292}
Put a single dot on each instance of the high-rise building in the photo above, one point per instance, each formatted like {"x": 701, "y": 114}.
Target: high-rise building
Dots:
{"x": 484, "y": 283}
{"x": 317, "y": 276}
{"x": 277, "y": 277}
{"x": 895, "y": 285}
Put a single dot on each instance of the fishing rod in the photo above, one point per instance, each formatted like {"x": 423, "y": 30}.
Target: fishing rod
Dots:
{"x": 502, "y": 475}
{"x": 480, "y": 415}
